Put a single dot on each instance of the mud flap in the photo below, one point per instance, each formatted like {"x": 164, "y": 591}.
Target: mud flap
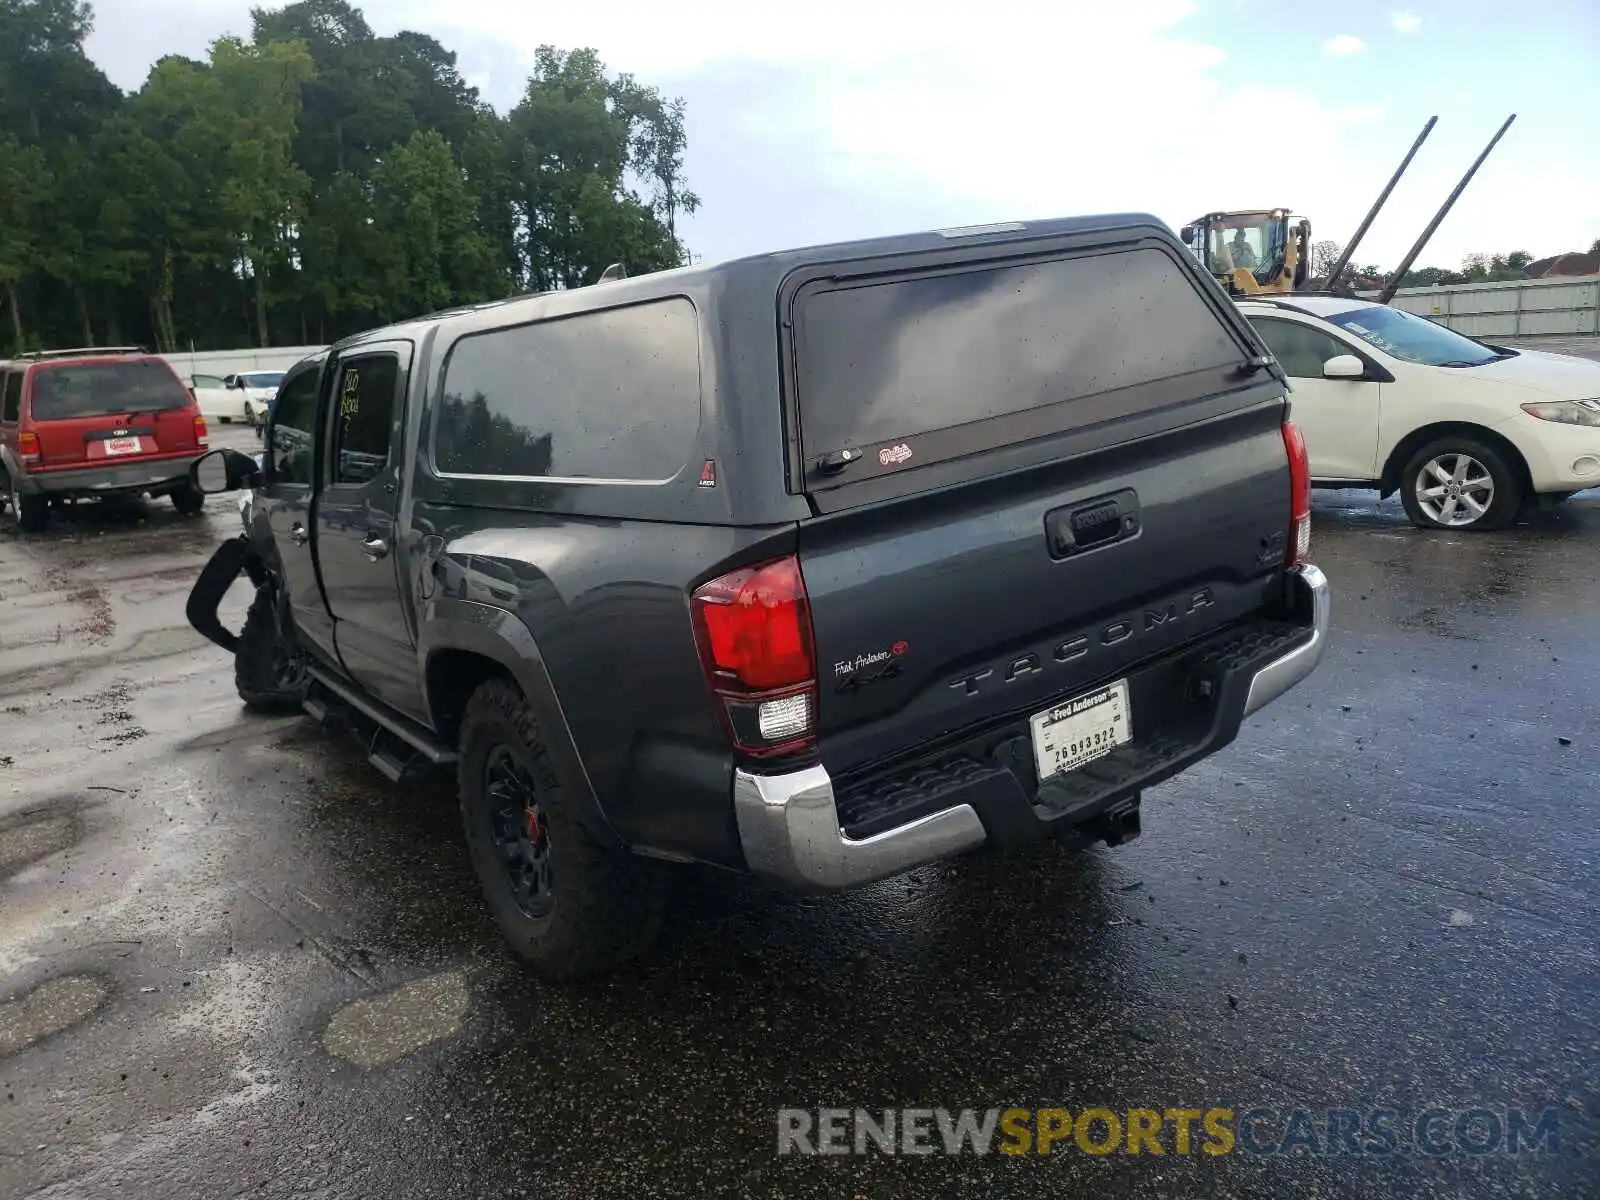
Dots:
{"x": 232, "y": 557}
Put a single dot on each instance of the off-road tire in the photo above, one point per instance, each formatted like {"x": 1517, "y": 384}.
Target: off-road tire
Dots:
{"x": 257, "y": 668}
{"x": 188, "y": 499}
{"x": 606, "y": 903}
{"x": 1507, "y": 480}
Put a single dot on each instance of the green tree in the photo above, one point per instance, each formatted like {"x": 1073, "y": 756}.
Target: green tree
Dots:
{"x": 426, "y": 222}
{"x": 90, "y": 247}
{"x": 576, "y": 136}
{"x": 24, "y": 190}
{"x": 48, "y": 86}
{"x": 316, "y": 177}
{"x": 1495, "y": 268}
{"x": 264, "y": 191}
{"x": 1324, "y": 256}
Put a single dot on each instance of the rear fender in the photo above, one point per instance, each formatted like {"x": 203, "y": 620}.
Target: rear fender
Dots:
{"x": 501, "y": 637}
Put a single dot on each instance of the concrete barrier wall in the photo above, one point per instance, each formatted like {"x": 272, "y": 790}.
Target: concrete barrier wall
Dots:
{"x": 231, "y": 362}
{"x": 1530, "y": 308}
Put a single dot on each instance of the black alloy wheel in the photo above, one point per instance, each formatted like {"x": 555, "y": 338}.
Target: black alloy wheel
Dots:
{"x": 520, "y": 833}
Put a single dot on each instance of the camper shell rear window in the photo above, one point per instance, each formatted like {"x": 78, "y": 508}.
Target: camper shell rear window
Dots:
{"x": 893, "y": 371}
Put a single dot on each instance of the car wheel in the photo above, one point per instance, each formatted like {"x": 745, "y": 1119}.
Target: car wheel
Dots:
{"x": 568, "y": 904}
{"x": 1460, "y": 483}
{"x": 188, "y": 499}
{"x": 269, "y": 671}
{"x": 31, "y": 513}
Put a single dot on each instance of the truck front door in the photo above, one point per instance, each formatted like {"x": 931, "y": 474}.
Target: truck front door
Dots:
{"x": 356, "y": 523}
{"x": 284, "y": 502}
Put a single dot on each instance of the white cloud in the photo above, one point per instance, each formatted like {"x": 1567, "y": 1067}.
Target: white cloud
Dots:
{"x": 1404, "y": 22}
{"x": 1343, "y": 44}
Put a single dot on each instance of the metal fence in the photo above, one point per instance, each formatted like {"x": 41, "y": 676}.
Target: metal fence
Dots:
{"x": 1561, "y": 307}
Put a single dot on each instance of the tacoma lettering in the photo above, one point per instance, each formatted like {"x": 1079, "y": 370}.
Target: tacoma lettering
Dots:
{"x": 1077, "y": 646}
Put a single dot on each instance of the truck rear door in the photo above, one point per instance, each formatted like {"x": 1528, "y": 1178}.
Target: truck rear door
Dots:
{"x": 355, "y": 523}
{"x": 1031, "y": 472}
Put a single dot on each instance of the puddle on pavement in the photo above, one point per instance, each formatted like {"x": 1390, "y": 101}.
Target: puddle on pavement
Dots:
{"x": 379, "y": 1030}
{"x": 54, "y": 1005}
{"x": 30, "y": 841}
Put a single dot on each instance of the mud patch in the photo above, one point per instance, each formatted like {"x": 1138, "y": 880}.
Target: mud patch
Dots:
{"x": 53, "y": 1006}
{"x": 114, "y": 696}
{"x": 99, "y": 621}
{"x": 33, "y": 838}
{"x": 112, "y": 708}
{"x": 380, "y": 1030}
{"x": 123, "y": 738}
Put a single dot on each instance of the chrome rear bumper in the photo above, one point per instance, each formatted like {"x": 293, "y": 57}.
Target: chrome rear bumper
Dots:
{"x": 789, "y": 825}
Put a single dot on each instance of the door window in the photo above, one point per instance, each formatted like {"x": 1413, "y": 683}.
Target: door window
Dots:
{"x": 13, "y": 397}
{"x": 291, "y": 437}
{"x": 1301, "y": 349}
{"x": 363, "y": 421}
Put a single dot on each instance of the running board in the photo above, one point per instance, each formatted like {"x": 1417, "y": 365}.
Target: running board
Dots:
{"x": 389, "y": 765}
{"x": 407, "y": 730}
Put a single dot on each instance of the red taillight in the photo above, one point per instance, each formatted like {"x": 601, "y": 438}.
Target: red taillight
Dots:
{"x": 1299, "y": 494}
{"x": 28, "y": 448}
{"x": 201, "y": 437}
{"x": 753, "y": 628}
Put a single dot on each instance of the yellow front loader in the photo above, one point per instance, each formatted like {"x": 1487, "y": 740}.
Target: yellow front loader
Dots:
{"x": 1255, "y": 252}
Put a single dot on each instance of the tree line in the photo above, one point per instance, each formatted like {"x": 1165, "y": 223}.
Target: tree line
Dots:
{"x": 1475, "y": 268}
{"x": 309, "y": 182}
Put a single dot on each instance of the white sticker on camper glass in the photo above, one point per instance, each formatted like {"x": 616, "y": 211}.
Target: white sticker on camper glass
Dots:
{"x": 894, "y": 455}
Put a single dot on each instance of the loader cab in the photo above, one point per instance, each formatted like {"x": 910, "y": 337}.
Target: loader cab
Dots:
{"x": 1253, "y": 252}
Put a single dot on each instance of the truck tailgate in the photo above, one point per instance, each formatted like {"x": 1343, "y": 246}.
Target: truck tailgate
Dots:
{"x": 936, "y": 615}
{"x": 1032, "y": 469}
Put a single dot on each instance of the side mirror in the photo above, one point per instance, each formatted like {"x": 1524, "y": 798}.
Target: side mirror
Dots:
{"x": 223, "y": 471}
{"x": 1344, "y": 366}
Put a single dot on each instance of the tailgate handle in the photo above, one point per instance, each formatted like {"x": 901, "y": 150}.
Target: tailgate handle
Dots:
{"x": 1090, "y": 524}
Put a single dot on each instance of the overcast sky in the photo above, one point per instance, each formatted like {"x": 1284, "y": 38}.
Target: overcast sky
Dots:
{"x": 832, "y": 119}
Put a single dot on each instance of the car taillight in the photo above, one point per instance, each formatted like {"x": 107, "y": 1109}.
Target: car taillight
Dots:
{"x": 1299, "y": 494}
{"x": 28, "y": 448}
{"x": 201, "y": 437}
{"x": 753, "y": 629}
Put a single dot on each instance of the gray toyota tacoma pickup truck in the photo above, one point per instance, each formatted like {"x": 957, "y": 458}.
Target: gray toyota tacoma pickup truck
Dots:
{"x": 816, "y": 565}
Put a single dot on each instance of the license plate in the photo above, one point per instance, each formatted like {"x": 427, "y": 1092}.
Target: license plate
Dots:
{"x": 122, "y": 445}
{"x": 1073, "y": 734}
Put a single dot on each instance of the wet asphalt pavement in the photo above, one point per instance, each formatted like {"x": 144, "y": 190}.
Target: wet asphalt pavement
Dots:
{"x": 235, "y": 961}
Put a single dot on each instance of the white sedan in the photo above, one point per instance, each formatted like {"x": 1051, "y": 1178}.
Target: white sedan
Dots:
{"x": 216, "y": 400}
{"x": 1464, "y": 431}
{"x": 257, "y": 389}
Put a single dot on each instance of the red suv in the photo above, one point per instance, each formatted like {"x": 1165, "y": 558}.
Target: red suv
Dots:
{"x": 95, "y": 422}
